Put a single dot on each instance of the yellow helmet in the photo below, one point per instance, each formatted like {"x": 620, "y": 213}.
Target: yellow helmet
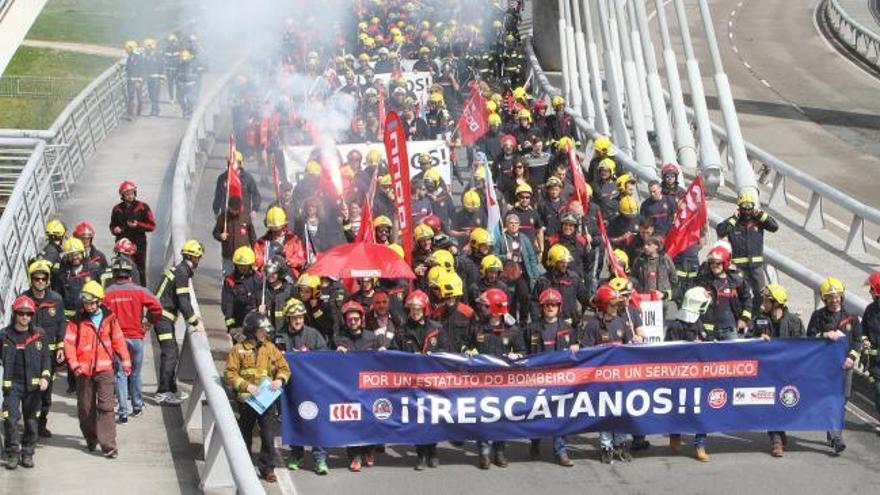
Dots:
{"x": 494, "y": 118}
{"x": 382, "y": 221}
{"x": 490, "y": 262}
{"x": 398, "y": 249}
{"x": 171, "y": 38}
{"x": 432, "y": 174}
{"x": 831, "y": 286}
{"x": 424, "y": 50}
{"x": 557, "y": 254}
{"x": 239, "y": 158}
{"x": 364, "y": 58}
{"x": 604, "y": 146}
{"x": 73, "y": 245}
{"x": 433, "y": 276}
{"x": 621, "y": 284}
{"x": 444, "y": 259}
{"x": 519, "y": 93}
{"x": 39, "y": 266}
{"x": 491, "y": 106}
{"x": 609, "y": 164}
{"x": 362, "y": 26}
{"x": 480, "y": 236}
{"x": 471, "y": 200}
{"x": 628, "y": 206}
{"x": 564, "y": 143}
{"x": 480, "y": 173}
{"x": 746, "y": 198}
{"x": 384, "y": 180}
{"x": 193, "y": 248}
{"x": 150, "y": 43}
{"x": 623, "y": 258}
{"x": 523, "y": 188}
{"x": 185, "y": 55}
{"x": 623, "y": 180}
{"x": 276, "y": 218}
{"x": 92, "y": 291}
{"x": 524, "y": 113}
{"x": 313, "y": 167}
{"x": 294, "y": 307}
{"x": 374, "y": 157}
{"x": 422, "y": 231}
{"x": 55, "y": 228}
{"x": 131, "y": 45}
{"x": 776, "y": 292}
{"x": 556, "y": 101}
{"x": 308, "y": 280}
{"x": 244, "y": 256}
{"x": 450, "y": 285}
{"x": 369, "y": 42}
{"x": 436, "y": 98}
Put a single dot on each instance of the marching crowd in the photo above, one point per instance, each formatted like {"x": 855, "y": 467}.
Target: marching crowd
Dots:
{"x": 175, "y": 65}
{"x": 559, "y": 270}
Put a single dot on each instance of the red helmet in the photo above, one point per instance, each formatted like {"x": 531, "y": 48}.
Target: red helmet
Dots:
{"x": 496, "y": 300}
{"x": 125, "y": 247}
{"x": 24, "y": 304}
{"x": 417, "y": 298}
{"x": 508, "y": 139}
{"x": 84, "y": 229}
{"x": 670, "y": 168}
{"x": 721, "y": 254}
{"x": 604, "y": 296}
{"x": 352, "y": 307}
{"x": 874, "y": 283}
{"x": 434, "y": 222}
{"x": 539, "y": 105}
{"x": 550, "y": 296}
{"x": 127, "y": 186}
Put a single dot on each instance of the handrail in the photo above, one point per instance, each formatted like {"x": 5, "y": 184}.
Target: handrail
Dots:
{"x": 774, "y": 259}
{"x": 227, "y": 460}
{"x": 857, "y": 32}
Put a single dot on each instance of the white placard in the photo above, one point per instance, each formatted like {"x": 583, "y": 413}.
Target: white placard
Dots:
{"x": 652, "y": 321}
{"x": 417, "y": 83}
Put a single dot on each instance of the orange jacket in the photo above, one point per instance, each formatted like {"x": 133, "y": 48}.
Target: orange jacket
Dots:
{"x": 90, "y": 350}
{"x": 294, "y": 251}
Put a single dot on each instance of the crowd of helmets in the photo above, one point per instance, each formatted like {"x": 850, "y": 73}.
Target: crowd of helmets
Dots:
{"x": 175, "y": 65}
{"x": 541, "y": 280}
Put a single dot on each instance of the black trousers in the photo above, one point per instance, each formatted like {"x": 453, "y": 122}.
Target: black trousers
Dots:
{"x": 46, "y": 402}
{"x": 168, "y": 356}
{"x": 270, "y": 425}
{"x": 20, "y": 404}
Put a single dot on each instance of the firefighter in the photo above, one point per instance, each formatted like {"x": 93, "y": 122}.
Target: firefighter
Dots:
{"x": 154, "y": 70}
{"x": 171, "y": 53}
{"x": 49, "y": 316}
{"x": 320, "y": 314}
{"x": 603, "y": 149}
{"x": 731, "y": 307}
{"x": 133, "y": 219}
{"x": 296, "y": 336}
{"x": 560, "y": 124}
{"x": 187, "y": 82}
{"x": 93, "y": 341}
{"x": 871, "y": 327}
{"x": 134, "y": 79}
{"x": 233, "y": 229}
{"x": 547, "y": 334}
{"x": 688, "y": 326}
{"x": 242, "y": 290}
{"x": 174, "y": 296}
{"x": 578, "y": 246}
{"x": 454, "y": 315}
{"x": 249, "y": 364}
{"x": 74, "y": 272}
{"x": 123, "y": 248}
{"x": 833, "y": 322}
{"x": 419, "y": 335}
{"x": 745, "y": 232}
{"x": 250, "y": 192}
{"x": 86, "y": 233}
{"x": 277, "y": 291}
{"x": 495, "y": 333}
{"x": 567, "y": 282}
{"x": 383, "y": 227}
{"x": 279, "y": 240}
{"x": 479, "y": 246}
{"x": 653, "y": 270}
{"x": 659, "y": 208}
{"x": 775, "y": 321}
{"x": 27, "y": 363}
{"x": 529, "y": 218}
{"x": 669, "y": 174}
{"x": 55, "y": 231}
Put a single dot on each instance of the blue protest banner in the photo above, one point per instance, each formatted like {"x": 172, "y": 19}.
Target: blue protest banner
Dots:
{"x": 337, "y": 399}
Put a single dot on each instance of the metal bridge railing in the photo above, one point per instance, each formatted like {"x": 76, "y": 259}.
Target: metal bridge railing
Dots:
{"x": 851, "y": 32}
{"x": 34, "y": 191}
{"x": 775, "y": 261}
{"x": 208, "y": 414}
{"x": 37, "y": 87}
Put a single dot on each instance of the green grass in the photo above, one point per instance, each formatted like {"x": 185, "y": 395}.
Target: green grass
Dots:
{"x": 23, "y": 113}
{"x": 106, "y": 22}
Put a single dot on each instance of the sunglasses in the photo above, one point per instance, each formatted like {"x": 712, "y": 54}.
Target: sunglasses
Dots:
{"x": 40, "y": 279}
{"x": 19, "y": 313}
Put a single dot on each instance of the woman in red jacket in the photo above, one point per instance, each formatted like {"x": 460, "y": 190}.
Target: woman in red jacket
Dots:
{"x": 92, "y": 339}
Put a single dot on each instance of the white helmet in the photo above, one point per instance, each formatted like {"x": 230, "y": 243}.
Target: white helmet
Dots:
{"x": 695, "y": 303}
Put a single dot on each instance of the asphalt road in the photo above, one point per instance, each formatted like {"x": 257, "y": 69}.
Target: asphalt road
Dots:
{"x": 796, "y": 96}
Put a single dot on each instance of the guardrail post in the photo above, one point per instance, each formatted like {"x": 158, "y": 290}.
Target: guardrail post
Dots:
{"x": 216, "y": 471}
{"x": 855, "y": 242}
{"x": 815, "y": 220}
{"x": 192, "y": 414}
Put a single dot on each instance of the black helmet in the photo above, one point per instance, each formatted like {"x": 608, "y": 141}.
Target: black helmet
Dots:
{"x": 122, "y": 266}
{"x": 254, "y": 321}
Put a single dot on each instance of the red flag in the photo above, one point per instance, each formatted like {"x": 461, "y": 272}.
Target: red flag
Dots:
{"x": 609, "y": 251}
{"x": 398, "y": 167}
{"x": 689, "y": 220}
{"x": 233, "y": 179}
{"x": 366, "y": 232}
{"x": 580, "y": 183}
{"x": 474, "y": 120}
{"x": 275, "y": 179}
{"x": 382, "y": 115}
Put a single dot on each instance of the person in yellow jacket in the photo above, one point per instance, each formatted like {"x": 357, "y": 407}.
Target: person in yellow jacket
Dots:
{"x": 250, "y": 362}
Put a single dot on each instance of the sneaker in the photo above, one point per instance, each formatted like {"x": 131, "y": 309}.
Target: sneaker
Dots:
{"x": 159, "y": 397}
{"x": 293, "y": 464}
{"x": 500, "y": 460}
{"x": 838, "y": 445}
{"x": 172, "y": 400}
{"x": 776, "y": 448}
{"x": 369, "y": 459}
{"x": 623, "y": 453}
{"x": 675, "y": 444}
{"x": 484, "y": 462}
{"x": 111, "y": 454}
{"x": 136, "y": 413}
{"x": 321, "y": 468}
{"x": 701, "y": 455}
{"x": 355, "y": 466}
{"x": 27, "y": 461}
{"x": 564, "y": 461}
{"x": 122, "y": 420}
{"x": 433, "y": 461}
{"x": 607, "y": 455}
{"x": 421, "y": 463}
{"x": 11, "y": 461}
{"x": 268, "y": 475}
